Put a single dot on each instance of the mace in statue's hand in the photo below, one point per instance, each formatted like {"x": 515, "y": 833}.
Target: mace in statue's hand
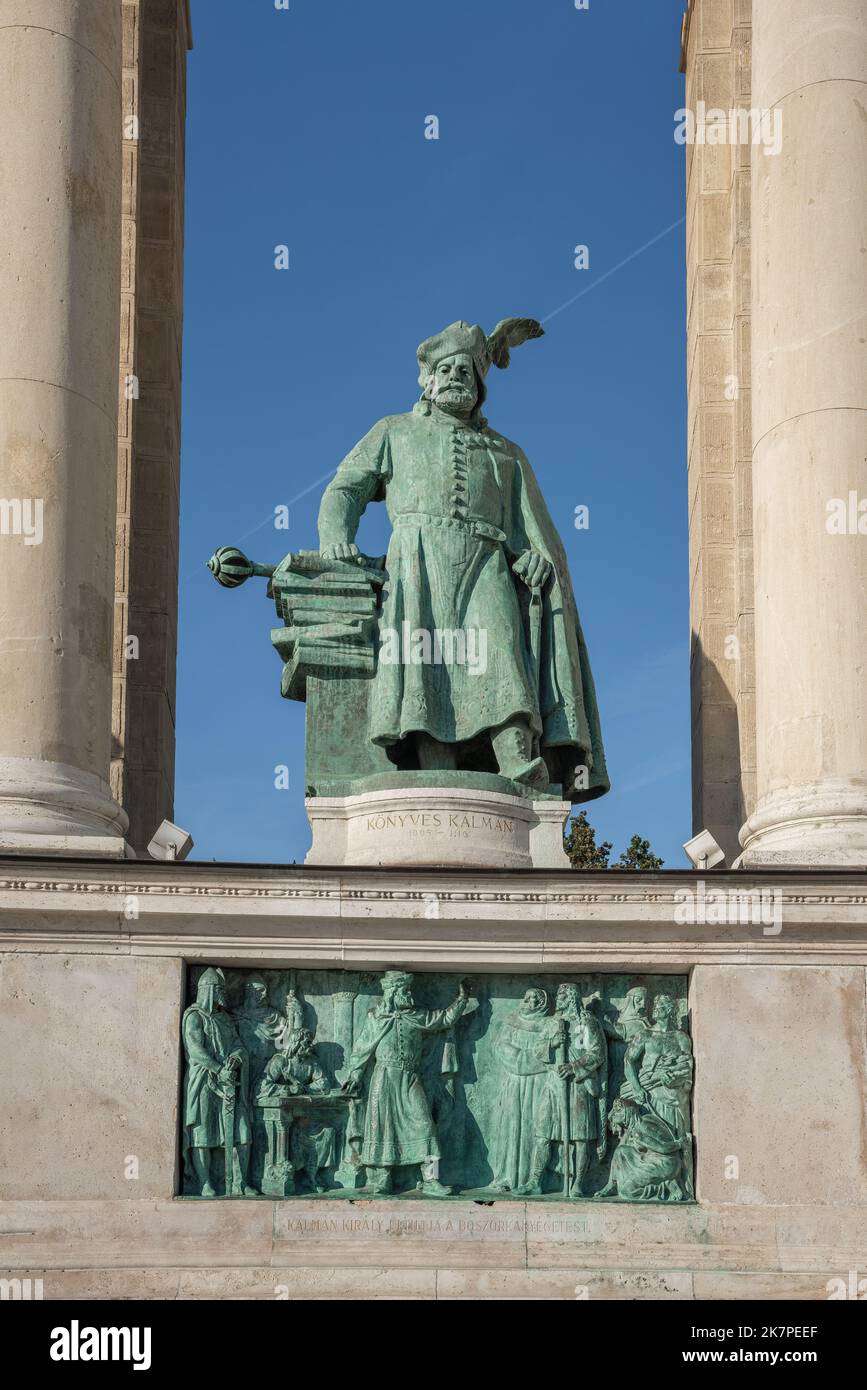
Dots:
{"x": 344, "y": 550}
{"x": 533, "y": 568}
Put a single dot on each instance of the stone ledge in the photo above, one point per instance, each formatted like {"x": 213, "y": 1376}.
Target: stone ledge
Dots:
{"x": 544, "y": 919}
{"x": 371, "y": 1283}
{"x": 549, "y": 1243}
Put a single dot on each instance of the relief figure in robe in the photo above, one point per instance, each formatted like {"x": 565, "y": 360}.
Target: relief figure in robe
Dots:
{"x": 572, "y": 1109}
{"x": 398, "y": 1127}
{"x": 525, "y": 1047}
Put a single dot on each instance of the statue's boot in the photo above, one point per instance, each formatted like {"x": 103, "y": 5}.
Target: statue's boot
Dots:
{"x": 380, "y": 1181}
{"x": 202, "y": 1170}
{"x": 434, "y": 756}
{"x": 582, "y": 1163}
{"x": 432, "y": 1187}
{"x": 242, "y": 1166}
{"x": 533, "y": 1186}
{"x": 513, "y": 750}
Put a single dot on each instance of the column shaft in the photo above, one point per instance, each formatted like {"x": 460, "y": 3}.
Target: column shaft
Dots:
{"x": 60, "y": 189}
{"x": 809, "y": 374}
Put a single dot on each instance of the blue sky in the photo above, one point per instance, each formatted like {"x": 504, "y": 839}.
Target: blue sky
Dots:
{"x": 307, "y": 128}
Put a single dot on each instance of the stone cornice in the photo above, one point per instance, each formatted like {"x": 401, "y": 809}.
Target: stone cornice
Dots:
{"x": 430, "y": 918}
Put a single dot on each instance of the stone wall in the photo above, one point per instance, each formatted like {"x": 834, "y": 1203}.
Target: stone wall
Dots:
{"x": 716, "y": 60}
{"x": 156, "y": 36}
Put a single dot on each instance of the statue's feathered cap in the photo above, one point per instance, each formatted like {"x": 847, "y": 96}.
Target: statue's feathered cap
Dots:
{"x": 485, "y": 349}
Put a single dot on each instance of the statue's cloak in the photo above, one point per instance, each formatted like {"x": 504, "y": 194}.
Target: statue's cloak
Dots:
{"x": 571, "y": 729}
{"x": 464, "y": 505}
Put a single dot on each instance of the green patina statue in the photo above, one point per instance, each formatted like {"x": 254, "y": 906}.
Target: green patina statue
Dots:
{"x": 651, "y": 1118}
{"x": 217, "y": 1091}
{"x": 483, "y": 1090}
{"x": 399, "y": 1130}
{"x": 460, "y": 653}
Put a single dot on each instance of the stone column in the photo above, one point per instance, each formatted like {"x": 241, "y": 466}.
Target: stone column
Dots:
{"x": 344, "y": 1002}
{"x": 60, "y": 219}
{"x": 809, "y": 369}
{"x": 349, "y": 1171}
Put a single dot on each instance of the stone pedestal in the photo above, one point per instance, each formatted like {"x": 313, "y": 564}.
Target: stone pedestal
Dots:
{"x": 809, "y": 378}
{"x": 437, "y": 826}
{"x": 92, "y": 965}
{"x": 60, "y": 217}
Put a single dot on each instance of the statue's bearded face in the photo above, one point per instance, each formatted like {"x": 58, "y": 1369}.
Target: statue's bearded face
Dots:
{"x": 663, "y": 1010}
{"x": 453, "y": 386}
{"x": 567, "y": 999}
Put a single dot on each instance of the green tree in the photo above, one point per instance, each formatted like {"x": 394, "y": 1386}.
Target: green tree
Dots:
{"x": 581, "y": 847}
{"x": 584, "y": 853}
{"x": 638, "y": 855}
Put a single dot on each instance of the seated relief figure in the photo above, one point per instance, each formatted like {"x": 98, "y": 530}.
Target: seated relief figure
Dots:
{"x": 297, "y": 1071}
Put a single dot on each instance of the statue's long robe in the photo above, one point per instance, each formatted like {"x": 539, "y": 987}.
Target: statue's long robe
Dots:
{"x": 464, "y": 504}
{"x": 524, "y": 1047}
{"x": 586, "y": 1050}
{"x": 398, "y": 1126}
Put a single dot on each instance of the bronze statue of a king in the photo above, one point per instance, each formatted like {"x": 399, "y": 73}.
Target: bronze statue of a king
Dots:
{"x": 459, "y": 655}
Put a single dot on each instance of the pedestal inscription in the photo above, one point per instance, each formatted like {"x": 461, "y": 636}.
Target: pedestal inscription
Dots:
{"x": 329, "y": 1082}
{"x": 426, "y": 825}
